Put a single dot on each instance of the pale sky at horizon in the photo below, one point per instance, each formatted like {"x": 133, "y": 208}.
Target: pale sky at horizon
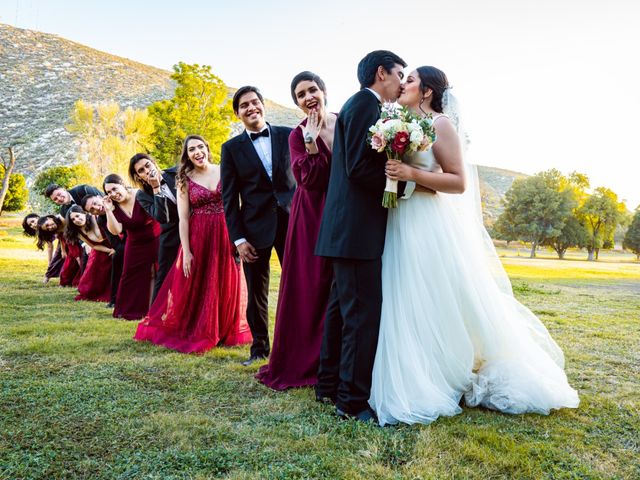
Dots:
{"x": 542, "y": 84}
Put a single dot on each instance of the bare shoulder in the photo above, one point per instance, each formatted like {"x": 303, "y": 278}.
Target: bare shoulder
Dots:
{"x": 444, "y": 126}
{"x": 215, "y": 169}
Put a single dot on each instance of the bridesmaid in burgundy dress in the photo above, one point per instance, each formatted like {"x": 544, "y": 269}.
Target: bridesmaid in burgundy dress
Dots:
{"x": 124, "y": 214}
{"x": 95, "y": 283}
{"x": 51, "y": 227}
{"x": 54, "y": 256}
{"x": 203, "y": 299}
{"x": 306, "y": 279}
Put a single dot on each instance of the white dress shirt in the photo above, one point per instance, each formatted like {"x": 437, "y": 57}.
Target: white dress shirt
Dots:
{"x": 165, "y": 191}
{"x": 263, "y": 149}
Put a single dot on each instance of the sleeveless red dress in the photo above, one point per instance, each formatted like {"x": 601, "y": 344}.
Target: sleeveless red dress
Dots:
{"x": 95, "y": 283}
{"x": 140, "y": 261}
{"x": 71, "y": 270}
{"x": 195, "y": 314}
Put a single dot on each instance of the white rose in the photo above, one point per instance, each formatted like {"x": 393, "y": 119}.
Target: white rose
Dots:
{"x": 416, "y": 136}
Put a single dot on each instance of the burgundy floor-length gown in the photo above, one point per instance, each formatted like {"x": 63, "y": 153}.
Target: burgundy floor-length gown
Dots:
{"x": 140, "y": 262}
{"x": 95, "y": 283}
{"x": 306, "y": 278}
{"x": 71, "y": 269}
{"x": 195, "y": 314}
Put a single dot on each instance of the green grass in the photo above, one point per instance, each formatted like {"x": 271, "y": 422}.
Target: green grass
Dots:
{"x": 80, "y": 399}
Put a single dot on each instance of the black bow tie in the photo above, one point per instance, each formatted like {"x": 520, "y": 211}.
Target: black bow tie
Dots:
{"x": 263, "y": 133}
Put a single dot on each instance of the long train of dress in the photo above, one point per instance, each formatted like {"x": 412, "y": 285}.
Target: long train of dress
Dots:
{"x": 450, "y": 325}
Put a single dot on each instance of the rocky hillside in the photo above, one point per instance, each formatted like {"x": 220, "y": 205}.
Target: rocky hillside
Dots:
{"x": 42, "y": 76}
{"x": 494, "y": 183}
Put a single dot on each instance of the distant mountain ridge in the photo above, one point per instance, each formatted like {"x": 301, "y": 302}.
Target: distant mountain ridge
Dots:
{"x": 43, "y": 75}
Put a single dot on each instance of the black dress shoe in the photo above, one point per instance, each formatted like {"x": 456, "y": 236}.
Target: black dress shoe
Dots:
{"x": 366, "y": 415}
{"x": 253, "y": 358}
{"x": 110, "y": 305}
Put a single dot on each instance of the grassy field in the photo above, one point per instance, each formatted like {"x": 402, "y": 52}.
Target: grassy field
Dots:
{"x": 80, "y": 399}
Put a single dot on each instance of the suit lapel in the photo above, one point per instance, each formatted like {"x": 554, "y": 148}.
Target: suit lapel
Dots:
{"x": 170, "y": 180}
{"x": 276, "y": 151}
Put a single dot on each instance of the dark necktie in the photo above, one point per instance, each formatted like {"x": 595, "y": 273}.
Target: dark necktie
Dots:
{"x": 263, "y": 133}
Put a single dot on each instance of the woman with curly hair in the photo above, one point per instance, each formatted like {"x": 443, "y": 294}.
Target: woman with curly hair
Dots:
{"x": 54, "y": 256}
{"x": 50, "y": 228}
{"x": 202, "y": 301}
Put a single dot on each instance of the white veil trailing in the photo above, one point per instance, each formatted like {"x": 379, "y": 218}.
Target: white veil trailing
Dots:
{"x": 469, "y": 203}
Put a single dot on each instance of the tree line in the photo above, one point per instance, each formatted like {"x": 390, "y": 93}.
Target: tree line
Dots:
{"x": 559, "y": 211}
{"x": 108, "y": 135}
{"x": 546, "y": 209}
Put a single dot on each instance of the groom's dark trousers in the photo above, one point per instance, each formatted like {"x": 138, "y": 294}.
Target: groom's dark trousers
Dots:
{"x": 352, "y": 234}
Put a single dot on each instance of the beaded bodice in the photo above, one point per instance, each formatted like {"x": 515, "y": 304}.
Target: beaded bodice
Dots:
{"x": 203, "y": 201}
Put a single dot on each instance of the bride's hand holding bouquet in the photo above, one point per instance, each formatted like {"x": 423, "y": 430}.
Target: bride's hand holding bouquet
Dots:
{"x": 397, "y": 133}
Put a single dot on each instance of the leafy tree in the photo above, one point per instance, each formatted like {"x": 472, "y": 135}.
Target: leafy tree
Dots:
{"x": 200, "y": 106}
{"x": 622, "y": 227}
{"x": 109, "y": 137}
{"x": 536, "y": 208}
{"x": 600, "y": 214}
{"x": 504, "y": 229}
{"x": 66, "y": 177}
{"x": 16, "y": 195}
{"x": 632, "y": 237}
{"x": 573, "y": 234}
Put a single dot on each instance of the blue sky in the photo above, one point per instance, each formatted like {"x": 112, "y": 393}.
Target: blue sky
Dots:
{"x": 542, "y": 83}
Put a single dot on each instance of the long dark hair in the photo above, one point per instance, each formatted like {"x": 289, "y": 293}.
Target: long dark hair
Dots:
{"x": 113, "y": 178}
{"x": 436, "y": 80}
{"x": 186, "y": 165}
{"x": 133, "y": 176}
{"x": 72, "y": 231}
{"x": 45, "y": 236}
{"x": 28, "y": 231}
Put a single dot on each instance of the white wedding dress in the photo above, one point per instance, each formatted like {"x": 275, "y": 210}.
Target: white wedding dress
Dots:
{"x": 450, "y": 326}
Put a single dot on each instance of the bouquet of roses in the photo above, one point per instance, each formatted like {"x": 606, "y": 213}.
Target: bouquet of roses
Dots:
{"x": 400, "y": 131}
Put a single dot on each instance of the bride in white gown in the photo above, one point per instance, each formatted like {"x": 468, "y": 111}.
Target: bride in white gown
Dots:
{"x": 450, "y": 326}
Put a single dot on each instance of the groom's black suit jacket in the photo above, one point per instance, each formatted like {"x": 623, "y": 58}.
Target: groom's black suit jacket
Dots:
{"x": 165, "y": 212}
{"x": 354, "y": 221}
{"x": 250, "y": 198}
{"x": 162, "y": 209}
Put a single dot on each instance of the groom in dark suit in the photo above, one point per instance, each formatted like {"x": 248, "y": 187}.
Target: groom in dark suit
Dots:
{"x": 257, "y": 188}
{"x": 352, "y": 234}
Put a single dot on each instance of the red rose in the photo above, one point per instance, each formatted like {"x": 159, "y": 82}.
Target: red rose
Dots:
{"x": 400, "y": 142}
